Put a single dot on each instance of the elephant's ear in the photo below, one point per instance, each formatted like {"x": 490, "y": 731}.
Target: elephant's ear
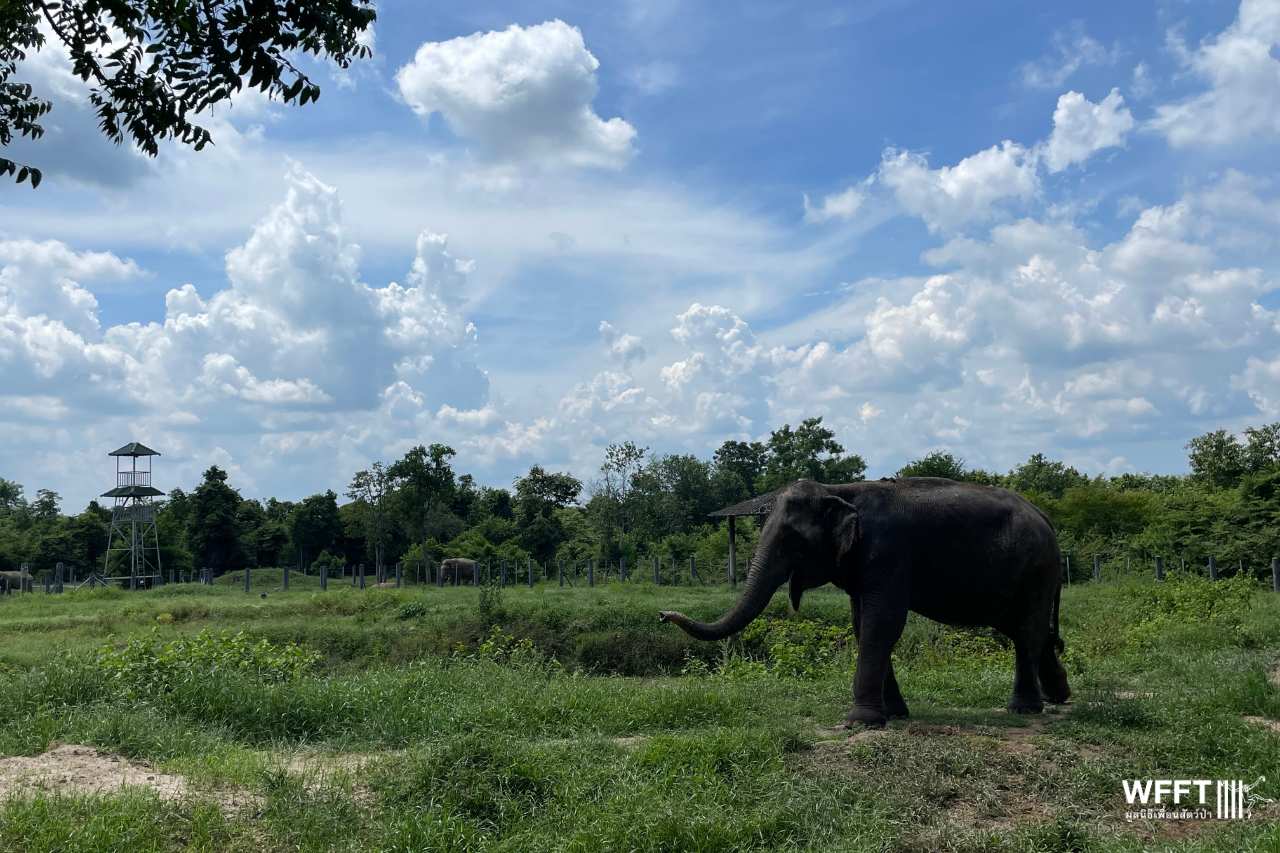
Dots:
{"x": 846, "y": 527}
{"x": 840, "y": 520}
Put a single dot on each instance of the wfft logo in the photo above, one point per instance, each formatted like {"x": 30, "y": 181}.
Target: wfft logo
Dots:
{"x": 1233, "y": 799}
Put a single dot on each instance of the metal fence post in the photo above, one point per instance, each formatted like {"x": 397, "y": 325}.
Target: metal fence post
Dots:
{"x": 1097, "y": 568}
{"x": 361, "y": 572}
{"x": 1159, "y": 568}
{"x": 247, "y": 579}
{"x": 353, "y": 575}
{"x": 1275, "y": 574}
{"x": 284, "y": 578}
{"x": 591, "y": 572}
{"x": 1213, "y": 569}
{"x": 57, "y": 578}
{"x": 528, "y": 564}
{"x": 324, "y": 576}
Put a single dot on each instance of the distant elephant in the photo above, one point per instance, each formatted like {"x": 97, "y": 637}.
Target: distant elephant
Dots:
{"x": 458, "y": 569}
{"x": 958, "y": 553}
{"x": 17, "y": 581}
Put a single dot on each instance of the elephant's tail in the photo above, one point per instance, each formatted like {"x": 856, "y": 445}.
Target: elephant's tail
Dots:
{"x": 1057, "y": 635}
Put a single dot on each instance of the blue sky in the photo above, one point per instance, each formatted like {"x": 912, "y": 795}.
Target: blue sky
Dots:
{"x": 990, "y": 228}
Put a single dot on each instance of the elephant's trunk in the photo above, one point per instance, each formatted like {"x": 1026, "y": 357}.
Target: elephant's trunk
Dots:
{"x": 763, "y": 579}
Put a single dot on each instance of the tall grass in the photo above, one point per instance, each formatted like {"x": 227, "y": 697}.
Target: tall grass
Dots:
{"x": 556, "y": 719}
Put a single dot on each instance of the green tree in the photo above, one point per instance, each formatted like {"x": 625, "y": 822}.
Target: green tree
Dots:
{"x": 491, "y": 503}
{"x": 250, "y": 519}
{"x": 10, "y": 496}
{"x": 47, "y": 506}
{"x": 538, "y": 495}
{"x": 1217, "y": 458}
{"x": 173, "y": 517}
{"x": 213, "y": 525}
{"x": 371, "y": 489}
{"x": 424, "y": 489}
{"x": 154, "y": 68}
{"x": 608, "y": 509}
{"x": 937, "y": 463}
{"x": 808, "y": 452}
{"x": 743, "y": 460}
{"x": 89, "y": 537}
{"x": 1262, "y": 447}
{"x": 315, "y": 526}
{"x": 1040, "y": 475}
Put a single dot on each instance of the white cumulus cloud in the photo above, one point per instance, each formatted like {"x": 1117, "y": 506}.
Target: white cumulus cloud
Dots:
{"x": 1242, "y": 68}
{"x": 950, "y": 197}
{"x": 1081, "y": 128}
{"x": 523, "y": 93}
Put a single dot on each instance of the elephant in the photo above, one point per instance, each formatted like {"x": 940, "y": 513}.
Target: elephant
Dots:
{"x": 17, "y": 581}
{"x": 957, "y": 553}
{"x": 458, "y": 570}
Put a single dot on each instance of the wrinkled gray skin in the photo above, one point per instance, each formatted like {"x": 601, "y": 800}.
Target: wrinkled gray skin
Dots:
{"x": 462, "y": 568}
{"x": 18, "y": 581}
{"x": 958, "y": 553}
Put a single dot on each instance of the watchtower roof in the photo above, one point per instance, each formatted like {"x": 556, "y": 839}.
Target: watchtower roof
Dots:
{"x": 134, "y": 448}
{"x": 133, "y": 492}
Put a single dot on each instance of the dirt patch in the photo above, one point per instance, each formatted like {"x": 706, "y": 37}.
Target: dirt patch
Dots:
{"x": 963, "y": 780}
{"x": 76, "y": 769}
{"x": 321, "y": 765}
{"x": 631, "y": 742}
{"x": 1270, "y": 725}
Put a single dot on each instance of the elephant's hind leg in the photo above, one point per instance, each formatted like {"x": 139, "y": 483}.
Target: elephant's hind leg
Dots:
{"x": 1026, "y": 680}
{"x": 1053, "y": 678}
{"x": 895, "y": 707}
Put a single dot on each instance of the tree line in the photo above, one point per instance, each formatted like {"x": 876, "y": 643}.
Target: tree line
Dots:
{"x": 643, "y": 505}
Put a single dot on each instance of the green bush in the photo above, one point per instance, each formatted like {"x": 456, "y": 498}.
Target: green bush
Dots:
{"x": 799, "y": 648}
{"x": 1186, "y": 601}
{"x": 147, "y": 665}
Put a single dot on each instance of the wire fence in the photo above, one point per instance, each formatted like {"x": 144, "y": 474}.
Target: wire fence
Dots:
{"x": 586, "y": 573}
{"x": 499, "y": 572}
{"x": 1102, "y": 567}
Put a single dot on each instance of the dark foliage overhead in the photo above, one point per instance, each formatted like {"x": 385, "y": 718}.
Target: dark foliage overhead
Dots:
{"x": 154, "y": 67}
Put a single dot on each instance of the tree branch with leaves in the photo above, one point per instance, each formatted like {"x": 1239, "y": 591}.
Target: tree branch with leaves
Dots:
{"x": 154, "y": 68}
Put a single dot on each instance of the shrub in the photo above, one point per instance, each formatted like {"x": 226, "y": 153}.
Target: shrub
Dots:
{"x": 147, "y": 665}
{"x": 1186, "y": 600}
{"x": 799, "y": 648}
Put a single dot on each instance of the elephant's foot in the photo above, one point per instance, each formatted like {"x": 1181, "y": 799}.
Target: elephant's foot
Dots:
{"x": 1022, "y": 705}
{"x": 872, "y": 718}
{"x": 1057, "y": 696}
{"x": 896, "y": 710}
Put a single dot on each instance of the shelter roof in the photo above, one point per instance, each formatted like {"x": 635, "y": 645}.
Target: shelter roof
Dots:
{"x": 759, "y": 505}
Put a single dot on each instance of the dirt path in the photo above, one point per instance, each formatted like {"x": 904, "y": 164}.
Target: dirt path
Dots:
{"x": 77, "y": 769}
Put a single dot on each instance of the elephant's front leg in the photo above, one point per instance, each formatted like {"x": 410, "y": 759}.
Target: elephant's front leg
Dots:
{"x": 878, "y": 631}
{"x": 895, "y": 707}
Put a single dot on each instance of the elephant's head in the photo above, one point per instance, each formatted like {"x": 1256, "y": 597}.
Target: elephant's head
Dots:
{"x": 809, "y": 532}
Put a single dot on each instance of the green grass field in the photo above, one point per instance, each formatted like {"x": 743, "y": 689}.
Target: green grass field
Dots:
{"x": 549, "y": 719}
